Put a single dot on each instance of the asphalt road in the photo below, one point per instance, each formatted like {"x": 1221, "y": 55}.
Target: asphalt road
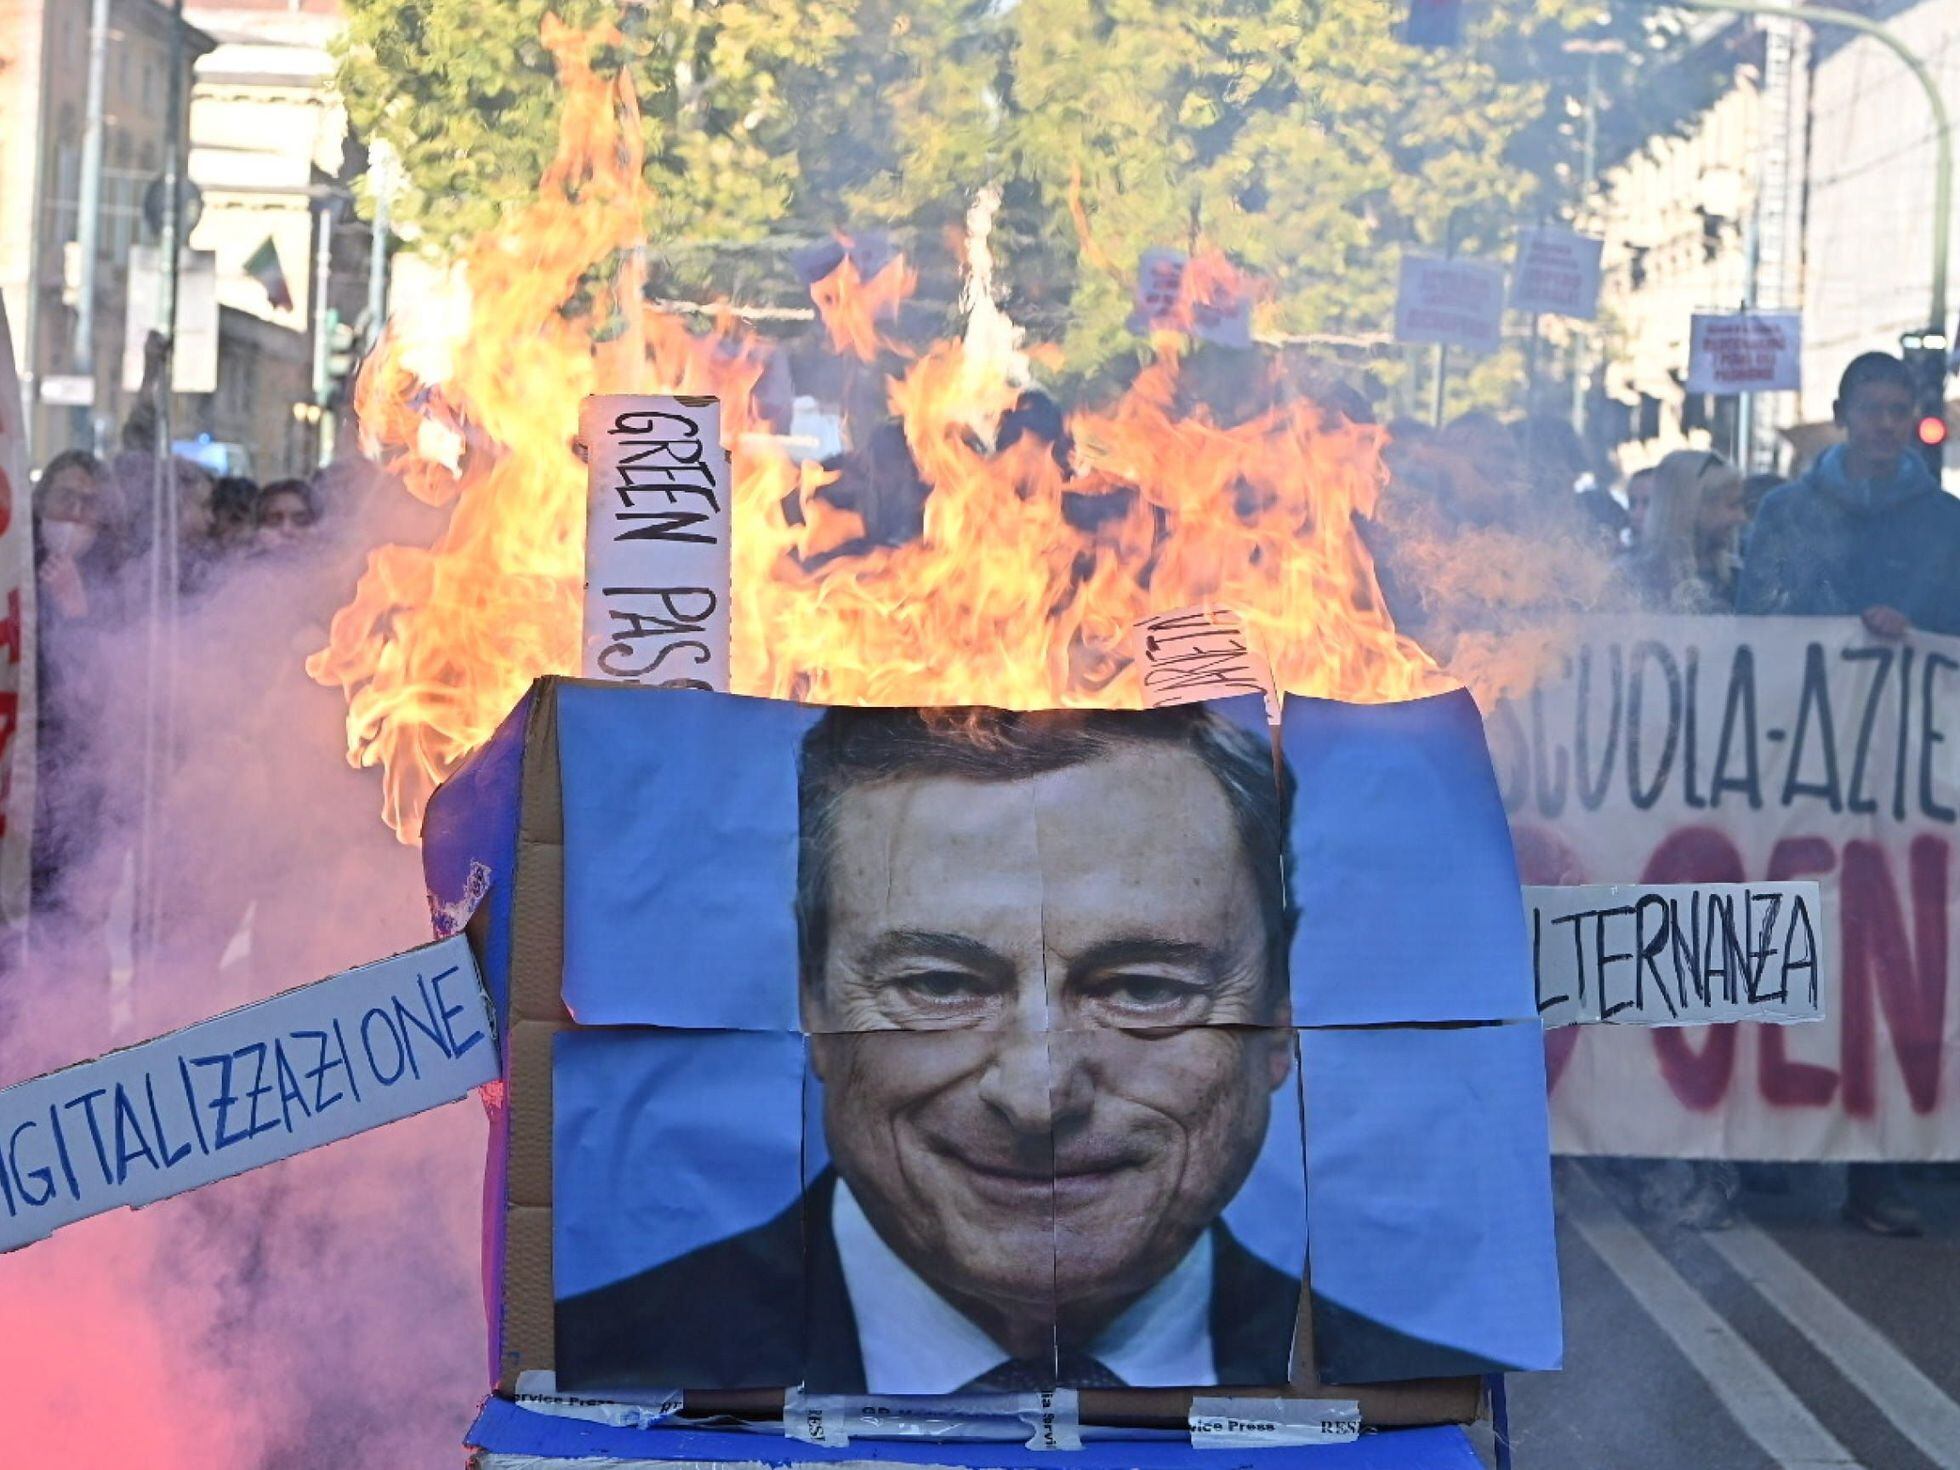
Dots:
{"x": 1788, "y": 1340}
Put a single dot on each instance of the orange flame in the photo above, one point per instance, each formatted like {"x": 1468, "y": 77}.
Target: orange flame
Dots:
{"x": 1020, "y": 591}
{"x": 852, "y": 307}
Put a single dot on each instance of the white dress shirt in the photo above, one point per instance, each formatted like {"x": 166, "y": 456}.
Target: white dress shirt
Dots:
{"x": 914, "y": 1341}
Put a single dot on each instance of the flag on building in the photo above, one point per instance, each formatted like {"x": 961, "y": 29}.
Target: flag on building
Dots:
{"x": 264, "y": 268}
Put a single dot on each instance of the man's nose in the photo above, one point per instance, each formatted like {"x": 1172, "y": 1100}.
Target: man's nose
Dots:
{"x": 1015, "y": 1082}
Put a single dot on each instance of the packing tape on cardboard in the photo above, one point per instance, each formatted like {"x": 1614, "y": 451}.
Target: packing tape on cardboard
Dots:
{"x": 1049, "y": 1420}
{"x": 1236, "y": 1424}
{"x": 537, "y": 1389}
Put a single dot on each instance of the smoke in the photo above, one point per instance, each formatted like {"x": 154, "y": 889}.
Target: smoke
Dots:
{"x": 320, "y": 1311}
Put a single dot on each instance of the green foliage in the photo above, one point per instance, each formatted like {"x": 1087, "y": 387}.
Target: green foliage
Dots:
{"x": 1299, "y": 135}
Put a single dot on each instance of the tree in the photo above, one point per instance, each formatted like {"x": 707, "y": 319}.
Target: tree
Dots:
{"x": 1301, "y": 136}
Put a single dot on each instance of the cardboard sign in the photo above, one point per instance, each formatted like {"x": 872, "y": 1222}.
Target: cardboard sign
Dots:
{"x": 194, "y": 354}
{"x": 252, "y": 1086}
{"x": 1198, "y": 653}
{"x": 657, "y": 542}
{"x": 1557, "y": 271}
{"x": 1678, "y": 954}
{"x": 1749, "y": 352}
{"x": 17, "y": 687}
{"x": 1455, "y": 303}
{"x": 1170, "y": 299}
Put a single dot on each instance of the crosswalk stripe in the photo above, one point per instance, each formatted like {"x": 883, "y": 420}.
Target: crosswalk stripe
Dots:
{"x": 1916, "y": 1405}
{"x": 1759, "y": 1401}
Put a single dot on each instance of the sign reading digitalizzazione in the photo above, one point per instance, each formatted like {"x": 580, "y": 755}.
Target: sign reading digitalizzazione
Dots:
{"x": 1727, "y": 750}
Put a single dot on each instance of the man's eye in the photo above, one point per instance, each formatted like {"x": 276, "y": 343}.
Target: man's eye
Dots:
{"x": 943, "y": 987}
{"x": 1148, "y": 992}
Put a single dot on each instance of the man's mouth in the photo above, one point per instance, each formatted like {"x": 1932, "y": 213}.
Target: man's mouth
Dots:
{"x": 1069, "y": 1184}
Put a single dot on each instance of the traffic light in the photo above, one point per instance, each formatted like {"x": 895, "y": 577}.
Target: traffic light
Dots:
{"x": 1927, "y": 361}
{"x": 340, "y": 356}
{"x": 1434, "y": 23}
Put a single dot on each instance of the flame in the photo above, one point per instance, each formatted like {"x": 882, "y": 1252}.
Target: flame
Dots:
{"x": 1019, "y": 590}
{"x": 851, "y": 306}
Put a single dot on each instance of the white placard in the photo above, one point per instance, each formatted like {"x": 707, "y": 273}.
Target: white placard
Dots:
{"x": 1679, "y": 954}
{"x": 68, "y": 390}
{"x": 657, "y": 541}
{"x": 1747, "y": 352}
{"x": 194, "y": 357}
{"x": 1194, "y": 653}
{"x": 1456, "y": 303}
{"x": 1557, "y": 271}
{"x": 252, "y": 1086}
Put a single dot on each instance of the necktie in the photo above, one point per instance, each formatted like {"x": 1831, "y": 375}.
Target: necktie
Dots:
{"x": 1025, "y": 1375}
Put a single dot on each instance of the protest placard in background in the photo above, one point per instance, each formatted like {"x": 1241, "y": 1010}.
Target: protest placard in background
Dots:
{"x": 1746, "y": 352}
{"x": 1454, "y": 303}
{"x": 17, "y": 690}
{"x": 252, "y": 1086}
{"x": 1678, "y": 954}
{"x": 1721, "y": 750}
{"x": 658, "y": 538}
{"x": 1557, "y": 271}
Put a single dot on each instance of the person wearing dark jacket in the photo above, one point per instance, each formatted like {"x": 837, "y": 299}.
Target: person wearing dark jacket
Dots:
{"x": 1867, "y": 532}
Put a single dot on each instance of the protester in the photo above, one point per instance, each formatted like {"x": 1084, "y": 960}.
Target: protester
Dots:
{"x": 1684, "y": 561}
{"x": 288, "y": 510}
{"x": 80, "y": 549}
{"x": 234, "y": 514}
{"x": 1639, "y": 491}
{"x": 1866, "y": 532}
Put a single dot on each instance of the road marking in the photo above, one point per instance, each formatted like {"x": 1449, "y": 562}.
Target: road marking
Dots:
{"x": 1761, "y": 1403}
{"x": 1916, "y": 1405}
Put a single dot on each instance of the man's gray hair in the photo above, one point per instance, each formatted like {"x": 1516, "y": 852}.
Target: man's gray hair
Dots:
{"x": 850, "y": 747}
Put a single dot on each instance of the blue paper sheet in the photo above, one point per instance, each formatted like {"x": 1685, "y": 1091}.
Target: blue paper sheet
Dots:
{"x": 505, "y": 1428}
{"x": 1429, "y": 1189}
{"x": 680, "y": 857}
{"x": 1404, "y": 876}
{"x": 666, "y": 1140}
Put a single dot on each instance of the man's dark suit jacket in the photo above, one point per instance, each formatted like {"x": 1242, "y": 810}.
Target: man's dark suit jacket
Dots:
{"x": 769, "y": 1308}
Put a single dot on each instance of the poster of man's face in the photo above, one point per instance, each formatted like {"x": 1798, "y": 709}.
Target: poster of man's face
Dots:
{"x": 924, "y": 1052}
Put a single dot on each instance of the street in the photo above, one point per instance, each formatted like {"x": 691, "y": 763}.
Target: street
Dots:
{"x": 1789, "y": 1340}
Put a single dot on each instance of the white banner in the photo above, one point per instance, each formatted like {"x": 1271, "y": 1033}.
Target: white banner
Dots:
{"x": 1458, "y": 303}
{"x": 1731, "y": 750}
{"x": 659, "y": 510}
{"x": 1749, "y": 352}
{"x": 16, "y": 653}
{"x": 254, "y": 1085}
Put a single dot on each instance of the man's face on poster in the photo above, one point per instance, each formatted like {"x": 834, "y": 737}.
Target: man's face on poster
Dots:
{"x": 1049, "y": 1024}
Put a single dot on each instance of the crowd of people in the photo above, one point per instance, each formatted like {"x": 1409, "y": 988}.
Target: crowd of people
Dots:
{"x": 1864, "y": 531}
{"x": 101, "y": 568}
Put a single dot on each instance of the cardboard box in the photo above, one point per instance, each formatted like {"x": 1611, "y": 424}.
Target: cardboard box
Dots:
{"x": 497, "y": 828}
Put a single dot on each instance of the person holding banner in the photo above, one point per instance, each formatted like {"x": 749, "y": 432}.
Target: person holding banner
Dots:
{"x": 1866, "y": 532}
